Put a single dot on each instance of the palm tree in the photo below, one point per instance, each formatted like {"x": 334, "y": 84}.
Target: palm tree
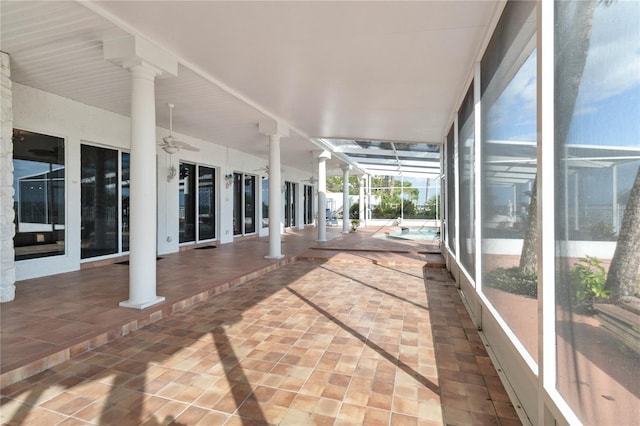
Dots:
{"x": 622, "y": 279}
{"x": 573, "y": 46}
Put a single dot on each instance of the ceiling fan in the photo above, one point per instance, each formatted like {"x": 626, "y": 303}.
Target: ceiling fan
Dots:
{"x": 172, "y": 145}
{"x": 266, "y": 169}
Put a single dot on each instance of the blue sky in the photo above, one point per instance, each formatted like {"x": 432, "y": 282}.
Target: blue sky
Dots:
{"x": 607, "y": 109}
{"x": 608, "y": 105}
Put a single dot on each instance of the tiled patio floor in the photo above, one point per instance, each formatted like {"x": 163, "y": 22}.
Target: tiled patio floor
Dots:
{"x": 359, "y": 337}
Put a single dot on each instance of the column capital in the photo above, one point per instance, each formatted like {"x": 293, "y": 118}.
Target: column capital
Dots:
{"x": 346, "y": 167}
{"x": 273, "y": 128}
{"x": 131, "y": 51}
{"x": 322, "y": 155}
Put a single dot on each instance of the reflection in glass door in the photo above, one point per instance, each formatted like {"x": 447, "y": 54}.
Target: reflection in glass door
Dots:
{"x": 249, "y": 204}
{"x": 39, "y": 194}
{"x": 206, "y": 203}
{"x": 124, "y": 196}
{"x": 308, "y": 204}
{"x": 196, "y": 198}
{"x": 290, "y": 204}
{"x": 265, "y": 202}
{"x": 187, "y": 202}
{"x": 99, "y": 201}
{"x": 244, "y": 204}
{"x": 237, "y": 204}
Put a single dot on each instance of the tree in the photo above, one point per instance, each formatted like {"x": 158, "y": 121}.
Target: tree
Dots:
{"x": 334, "y": 184}
{"x": 432, "y": 207}
{"x": 623, "y": 272}
{"x": 571, "y": 56}
{"x": 529, "y": 254}
{"x": 625, "y": 264}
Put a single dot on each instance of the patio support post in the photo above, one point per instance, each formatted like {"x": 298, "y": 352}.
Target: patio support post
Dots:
{"x": 345, "y": 198}
{"x": 368, "y": 211}
{"x": 322, "y": 195}
{"x": 363, "y": 220}
{"x": 145, "y": 62}
{"x": 614, "y": 199}
{"x": 275, "y": 198}
{"x": 275, "y": 131}
{"x": 142, "y": 255}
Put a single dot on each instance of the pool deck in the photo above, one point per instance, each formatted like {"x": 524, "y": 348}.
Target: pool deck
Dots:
{"x": 354, "y": 330}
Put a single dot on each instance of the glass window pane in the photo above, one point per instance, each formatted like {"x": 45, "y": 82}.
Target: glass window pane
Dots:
{"x": 308, "y": 204}
{"x": 293, "y": 203}
{"x": 39, "y": 195}
{"x": 99, "y": 201}
{"x": 509, "y": 152}
{"x": 265, "y": 202}
{"x": 187, "y": 202}
{"x": 597, "y": 138}
{"x": 125, "y": 200}
{"x": 451, "y": 192}
{"x": 237, "y": 204}
{"x": 289, "y": 204}
{"x": 206, "y": 203}
{"x": 249, "y": 204}
{"x": 466, "y": 164}
{"x": 286, "y": 201}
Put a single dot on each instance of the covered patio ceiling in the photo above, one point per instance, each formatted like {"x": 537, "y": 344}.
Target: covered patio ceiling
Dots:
{"x": 374, "y": 82}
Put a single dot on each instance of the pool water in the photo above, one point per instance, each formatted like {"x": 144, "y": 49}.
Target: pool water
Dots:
{"x": 414, "y": 234}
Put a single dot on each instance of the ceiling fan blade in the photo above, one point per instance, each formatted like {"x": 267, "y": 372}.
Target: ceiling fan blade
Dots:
{"x": 168, "y": 140}
{"x": 190, "y": 148}
{"x": 185, "y": 146}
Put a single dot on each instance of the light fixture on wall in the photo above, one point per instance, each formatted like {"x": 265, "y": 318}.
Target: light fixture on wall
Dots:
{"x": 228, "y": 179}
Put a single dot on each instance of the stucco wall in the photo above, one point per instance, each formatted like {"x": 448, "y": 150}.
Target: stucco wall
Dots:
{"x": 43, "y": 112}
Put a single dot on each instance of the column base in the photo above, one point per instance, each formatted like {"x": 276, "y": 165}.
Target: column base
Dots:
{"x": 280, "y": 256}
{"x": 321, "y": 241}
{"x": 154, "y": 301}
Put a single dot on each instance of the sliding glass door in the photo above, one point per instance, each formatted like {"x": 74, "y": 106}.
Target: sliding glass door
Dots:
{"x": 206, "y": 203}
{"x": 244, "y": 204}
{"x": 196, "y": 198}
{"x": 308, "y": 204}
{"x": 99, "y": 201}
{"x": 290, "y": 204}
{"x": 187, "y": 203}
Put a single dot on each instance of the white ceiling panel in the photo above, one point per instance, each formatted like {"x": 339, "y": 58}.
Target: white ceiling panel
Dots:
{"x": 389, "y": 71}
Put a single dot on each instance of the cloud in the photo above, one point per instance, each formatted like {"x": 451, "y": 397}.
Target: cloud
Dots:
{"x": 613, "y": 63}
{"x": 514, "y": 112}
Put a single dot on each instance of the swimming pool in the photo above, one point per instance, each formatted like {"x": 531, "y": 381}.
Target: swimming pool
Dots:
{"x": 414, "y": 234}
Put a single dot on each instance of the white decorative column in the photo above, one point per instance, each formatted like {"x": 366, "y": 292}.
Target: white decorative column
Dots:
{"x": 367, "y": 212}
{"x": 145, "y": 62}
{"x": 361, "y": 210}
{"x": 142, "y": 214}
{"x": 346, "y": 205}
{"x": 322, "y": 195}
{"x": 7, "y": 228}
{"x": 299, "y": 213}
{"x": 275, "y": 131}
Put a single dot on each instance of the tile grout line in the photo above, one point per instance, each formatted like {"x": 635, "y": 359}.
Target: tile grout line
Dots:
{"x": 12, "y": 376}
